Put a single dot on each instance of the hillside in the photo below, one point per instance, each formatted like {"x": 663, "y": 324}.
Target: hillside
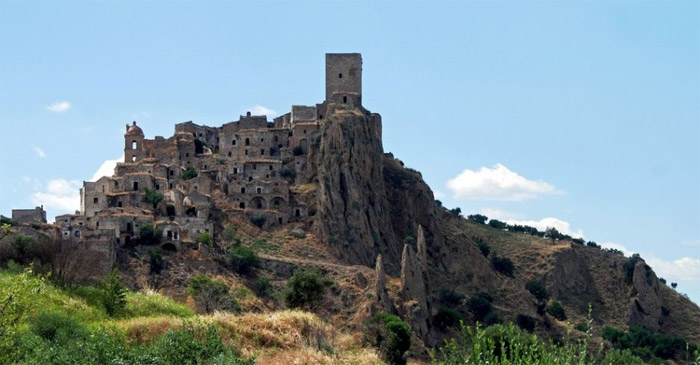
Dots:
{"x": 290, "y": 241}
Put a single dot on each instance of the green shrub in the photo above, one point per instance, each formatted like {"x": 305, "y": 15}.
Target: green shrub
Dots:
{"x": 259, "y": 220}
{"x": 189, "y": 173}
{"x": 113, "y": 294}
{"x": 204, "y": 238}
{"x": 153, "y": 197}
{"x": 450, "y": 298}
{"x": 210, "y": 295}
{"x": 148, "y": 235}
{"x": 446, "y": 317}
{"x": 628, "y": 266}
{"x": 477, "y": 218}
{"x": 525, "y": 322}
{"x": 56, "y": 327}
{"x": 155, "y": 261}
{"x": 583, "y": 327}
{"x": 305, "y": 288}
{"x": 479, "y": 305}
{"x": 263, "y": 285}
{"x": 495, "y": 223}
{"x": 483, "y": 247}
{"x": 502, "y": 265}
{"x": 537, "y": 289}
{"x": 288, "y": 173}
{"x": 390, "y": 335}
{"x": 556, "y": 310}
{"x": 243, "y": 259}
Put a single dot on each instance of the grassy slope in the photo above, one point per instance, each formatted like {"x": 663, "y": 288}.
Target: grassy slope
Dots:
{"x": 277, "y": 337}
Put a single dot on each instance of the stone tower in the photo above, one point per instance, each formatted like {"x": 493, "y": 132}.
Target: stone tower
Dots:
{"x": 344, "y": 78}
{"x": 133, "y": 143}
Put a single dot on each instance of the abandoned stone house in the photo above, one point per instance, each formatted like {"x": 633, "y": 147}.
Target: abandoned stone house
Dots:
{"x": 246, "y": 166}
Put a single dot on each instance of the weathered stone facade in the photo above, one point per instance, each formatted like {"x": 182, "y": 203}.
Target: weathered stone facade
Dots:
{"x": 36, "y": 215}
{"x": 252, "y": 161}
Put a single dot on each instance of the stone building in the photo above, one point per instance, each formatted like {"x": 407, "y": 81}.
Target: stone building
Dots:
{"x": 252, "y": 162}
{"x": 28, "y": 216}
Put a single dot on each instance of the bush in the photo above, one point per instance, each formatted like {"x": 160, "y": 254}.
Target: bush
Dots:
{"x": 446, "y": 317}
{"x": 645, "y": 344}
{"x": 450, "y": 298}
{"x": 305, "y": 288}
{"x": 189, "y": 173}
{"x": 480, "y": 305}
{"x": 556, "y": 310}
{"x": 211, "y": 294}
{"x": 390, "y": 335}
{"x": 56, "y": 327}
{"x": 477, "y": 218}
{"x": 204, "y": 238}
{"x": 153, "y": 197}
{"x": 525, "y": 322}
{"x": 583, "y": 327}
{"x": 497, "y": 224}
{"x": 502, "y": 265}
{"x": 537, "y": 289}
{"x": 592, "y": 244}
{"x": 456, "y": 211}
{"x": 483, "y": 247}
{"x": 148, "y": 235}
{"x": 155, "y": 261}
{"x": 243, "y": 259}
{"x": 288, "y": 173}
{"x": 259, "y": 220}
{"x": 263, "y": 285}
{"x": 113, "y": 294}
{"x": 628, "y": 266}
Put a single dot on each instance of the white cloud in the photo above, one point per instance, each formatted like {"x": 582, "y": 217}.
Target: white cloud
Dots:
{"x": 59, "y": 107}
{"x": 39, "y": 152}
{"x": 262, "y": 110}
{"x": 617, "y": 246}
{"x": 691, "y": 243}
{"x": 686, "y": 269}
{"x": 106, "y": 169}
{"x": 498, "y": 183}
{"x": 59, "y": 194}
{"x": 682, "y": 269}
{"x": 541, "y": 225}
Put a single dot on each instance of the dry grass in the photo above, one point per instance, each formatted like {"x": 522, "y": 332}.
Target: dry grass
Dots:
{"x": 303, "y": 188}
{"x": 292, "y": 337}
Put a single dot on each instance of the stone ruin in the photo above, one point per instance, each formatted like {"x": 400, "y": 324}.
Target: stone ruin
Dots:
{"x": 248, "y": 167}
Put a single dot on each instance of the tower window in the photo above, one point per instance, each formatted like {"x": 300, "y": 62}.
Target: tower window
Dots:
{"x": 94, "y": 201}
{"x": 134, "y": 145}
{"x": 345, "y": 99}
{"x": 233, "y": 143}
{"x": 258, "y": 190}
{"x": 247, "y": 141}
{"x": 243, "y": 190}
{"x": 136, "y": 186}
{"x": 340, "y": 76}
{"x": 262, "y": 152}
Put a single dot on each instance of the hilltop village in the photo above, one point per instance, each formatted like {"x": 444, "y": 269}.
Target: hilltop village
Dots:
{"x": 249, "y": 166}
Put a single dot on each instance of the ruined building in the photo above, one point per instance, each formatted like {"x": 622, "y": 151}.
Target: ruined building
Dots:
{"x": 249, "y": 167}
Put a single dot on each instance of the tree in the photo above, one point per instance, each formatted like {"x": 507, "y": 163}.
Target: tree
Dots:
{"x": 243, "y": 259}
{"x": 503, "y": 265}
{"x": 556, "y": 310}
{"x": 477, "y": 218}
{"x": 155, "y": 261}
{"x": 674, "y": 285}
{"x": 113, "y": 294}
{"x": 537, "y": 289}
{"x": 391, "y": 335}
{"x": 305, "y": 288}
{"x": 189, "y": 173}
{"x": 211, "y": 294}
{"x": 495, "y": 223}
{"x": 153, "y": 197}
{"x": 552, "y": 234}
{"x": 204, "y": 238}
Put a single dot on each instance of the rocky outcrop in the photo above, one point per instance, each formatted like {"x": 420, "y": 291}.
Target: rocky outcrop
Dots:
{"x": 381, "y": 297}
{"x": 413, "y": 291}
{"x": 645, "y": 305}
{"x": 367, "y": 202}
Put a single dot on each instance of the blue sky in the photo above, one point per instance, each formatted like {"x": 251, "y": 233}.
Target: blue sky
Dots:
{"x": 580, "y": 115}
